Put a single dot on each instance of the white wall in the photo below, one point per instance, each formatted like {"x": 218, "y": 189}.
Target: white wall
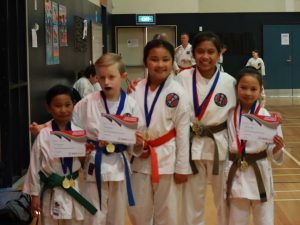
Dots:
{"x": 203, "y": 6}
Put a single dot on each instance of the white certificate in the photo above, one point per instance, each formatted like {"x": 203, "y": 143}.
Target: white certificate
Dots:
{"x": 258, "y": 128}
{"x": 67, "y": 143}
{"x": 118, "y": 129}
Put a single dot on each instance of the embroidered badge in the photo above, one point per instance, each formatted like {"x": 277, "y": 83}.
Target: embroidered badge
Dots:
{"x": 220, "y": 99}
{"x": 172, "y": 100}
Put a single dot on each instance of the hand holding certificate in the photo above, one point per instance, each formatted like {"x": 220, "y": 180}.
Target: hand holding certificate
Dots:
{"x": 118, "y": 129}
{"x": 260, "y": 128}
{"x": 67, "y": 143}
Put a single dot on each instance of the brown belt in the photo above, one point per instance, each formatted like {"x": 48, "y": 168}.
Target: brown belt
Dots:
{"x": 249, "y": 160}
{"x": 207, "y": 131}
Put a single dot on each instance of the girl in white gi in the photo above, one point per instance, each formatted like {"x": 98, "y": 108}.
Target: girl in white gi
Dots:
{"x": 57, "y": 205}
{"x": 211, "y": 95}
{"x": 164, "y": 164}
{"x": 106, "y": 169}
{"x": 248, "y": 171}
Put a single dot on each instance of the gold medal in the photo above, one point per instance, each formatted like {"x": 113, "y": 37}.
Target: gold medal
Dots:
{"x": 72, "y": 182}
{"x": 244, "y": 165}
{"x": 195, "y": 127}
{"x": 66, "y": 183}
{"x": 110, "y": 148}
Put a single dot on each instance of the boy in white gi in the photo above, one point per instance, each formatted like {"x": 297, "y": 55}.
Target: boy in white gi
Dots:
{"x": 211, "y": 95}
{"x": 59, "y": 176}
{"x": 248, "y": 171}
{"x": 106, "y": 168}
{"x": 164, "y": 164}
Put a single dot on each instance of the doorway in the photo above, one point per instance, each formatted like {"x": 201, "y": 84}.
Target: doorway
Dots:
{"x": 282, "y": 59}
{"x": 130, "y": 42}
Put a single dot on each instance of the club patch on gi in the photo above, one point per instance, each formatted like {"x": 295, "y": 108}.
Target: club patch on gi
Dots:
{"x": 220, "y": 99}
{"x": 172, "y": 100}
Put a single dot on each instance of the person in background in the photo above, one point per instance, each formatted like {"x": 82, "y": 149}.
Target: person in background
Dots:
{"x": 183, "y": 53}
{"x": 257, "y": 62}
{"x": 248, "y": 171}
{"x": 85, "y": 84}
{"x": 221, "y": 59}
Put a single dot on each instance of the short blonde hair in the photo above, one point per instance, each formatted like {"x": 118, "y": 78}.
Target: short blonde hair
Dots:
{"x": 109, "y": 59}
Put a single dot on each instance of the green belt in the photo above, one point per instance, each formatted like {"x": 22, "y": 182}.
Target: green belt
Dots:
{"x": 55, "y": 180}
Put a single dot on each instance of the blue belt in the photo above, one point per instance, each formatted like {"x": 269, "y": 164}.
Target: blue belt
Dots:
{"x": 119, "y": 148}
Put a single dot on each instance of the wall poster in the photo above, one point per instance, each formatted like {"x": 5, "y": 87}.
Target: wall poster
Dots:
{"x": 63, "y": 34}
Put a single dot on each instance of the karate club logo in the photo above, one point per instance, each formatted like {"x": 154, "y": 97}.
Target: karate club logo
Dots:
{"x": 220, "y": 99}
{"x": 172, "y": 100}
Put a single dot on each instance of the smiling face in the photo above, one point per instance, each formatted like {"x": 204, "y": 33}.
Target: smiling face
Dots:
{"x": 248, "y": 91}
{"x": 159, "y": 63}
{"x": 206, "y": 56}
{"x": 110, "y": 80}
{"x": 61, "y": 108}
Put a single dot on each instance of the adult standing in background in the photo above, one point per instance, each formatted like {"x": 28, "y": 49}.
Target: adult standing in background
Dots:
{"x": 183, "y": 53}
{"x": 257, "y": 62}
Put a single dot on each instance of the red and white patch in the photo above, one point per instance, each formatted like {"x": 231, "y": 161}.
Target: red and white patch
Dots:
{"x": 220, "y": 99}
{"x": 172, "y": 100}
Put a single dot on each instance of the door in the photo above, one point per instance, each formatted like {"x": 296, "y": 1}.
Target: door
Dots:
{"x": 282, "y": 58}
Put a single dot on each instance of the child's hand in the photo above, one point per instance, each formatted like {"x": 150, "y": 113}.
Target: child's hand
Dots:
{"x": 132, "y": 84}
{"x": 89, "y": 147}
{"x": 35, "y": 206}
{"x": 36, "y": 128}
{"x": 139, "y": 139}
{"x": 279, "y": 143}
{"x": 180, "y": 178}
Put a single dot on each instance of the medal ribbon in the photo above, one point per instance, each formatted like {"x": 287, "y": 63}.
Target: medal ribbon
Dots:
{"x": 66, "y": 162}
{"x": 241, "y": 144}
{"x": 121, "y": 103}
{"x": 148, "y": 115}
{"x": 200, "y": 110}
{"x": 119, "y": 148}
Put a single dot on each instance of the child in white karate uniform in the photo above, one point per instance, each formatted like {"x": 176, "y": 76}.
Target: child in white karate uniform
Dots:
{"x": 107, "y": 168}
{"x": 54, "y": 201}
{"x": 211, "y": 95}
{"x": 248, "y": 171}
{"x": 160, "y": 170}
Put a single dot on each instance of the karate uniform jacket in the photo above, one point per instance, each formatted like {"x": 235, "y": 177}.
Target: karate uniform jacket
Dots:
{"x": 222, "y": 100}
{"x": 244, "y": 183}
{"x": 257, "y": 64}
{"x": 56, "y": 202}
{"x": 173, "y": 156}
{"x": 182, "y": 53}
{"x": 84, "y": 86}
{"x": 87, "y": 114}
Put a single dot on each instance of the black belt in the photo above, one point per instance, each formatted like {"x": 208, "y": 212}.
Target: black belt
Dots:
{"x": 207, "y": 131}
{"x": 248, "y": 160}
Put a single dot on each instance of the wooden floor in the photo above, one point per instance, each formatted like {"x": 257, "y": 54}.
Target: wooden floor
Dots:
{"x": 287, "y": 176}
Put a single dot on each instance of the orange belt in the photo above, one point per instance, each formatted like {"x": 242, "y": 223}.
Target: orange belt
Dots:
{"x": 184, "y": 68}
{"x": 151, "y": 144}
